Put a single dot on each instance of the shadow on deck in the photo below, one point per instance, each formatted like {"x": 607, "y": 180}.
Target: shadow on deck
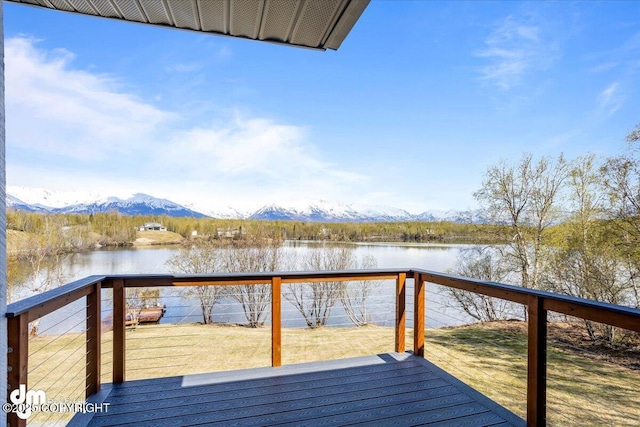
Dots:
{"x": 388, "y": 389}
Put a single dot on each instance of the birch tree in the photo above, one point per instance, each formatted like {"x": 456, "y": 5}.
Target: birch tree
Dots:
{"x": 481, "y": 263}
{"x": 525, "y": 197}
{"x": 316, "y": 300}
{"x": 622, "y": 182}
{"x": 200, "y": 257}
{"x": 355, "y": 295}
{"x": 253, "y": 255}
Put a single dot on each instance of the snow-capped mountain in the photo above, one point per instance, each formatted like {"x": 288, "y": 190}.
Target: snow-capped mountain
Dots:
{"x": 138, "y": 204}
{"x": 43, "y": 201}
{"x": 51, "y": 199}
{"x": 462, "y": 217}
{"x": 321, "y": 211}
{"x": 19, "y": 205}
{"x": 227, "y": 212}
{"x": 220, "y": 212}
{"x": 324, "y": 211}
{"x": 384, "y": 213}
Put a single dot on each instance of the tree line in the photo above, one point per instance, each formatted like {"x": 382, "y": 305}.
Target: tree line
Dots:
{"x": 77, "y": 232}
{"x": 573, "y": 228}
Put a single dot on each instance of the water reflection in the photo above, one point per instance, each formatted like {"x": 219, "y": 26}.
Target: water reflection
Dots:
{"x": 381, "y": 305}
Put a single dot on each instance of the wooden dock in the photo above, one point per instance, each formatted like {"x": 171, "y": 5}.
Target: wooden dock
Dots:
{"x": 395, "y": 389}
{"x": 151, "y": 314}
{"x": 145, "y": 315}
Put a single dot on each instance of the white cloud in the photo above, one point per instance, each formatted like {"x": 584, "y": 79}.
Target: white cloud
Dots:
{"x": 73, "y": 129}
{"x": 609, "y": 100}
{"x": 514, "y": 48}
{"x": 241, "y": 145}
{"x": 54, "y": 108}
{"x": 259, "y": 158}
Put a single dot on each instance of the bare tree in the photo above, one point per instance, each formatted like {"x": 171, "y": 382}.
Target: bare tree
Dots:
{"x": 622, "y": 182}
{"x": 315, "y": 300}
{"x": 482, "y": 263}
{"x": 634, "y": 135}
{"x": 200, "y": 257}
{"x": 586, "y": 262}
{"x": 354, "y": 295}
{"x": 253, "y": 255}
{"x": 46, "y": 272}
{"x": 524, "y": 196}
{"x": 45, "y": 256}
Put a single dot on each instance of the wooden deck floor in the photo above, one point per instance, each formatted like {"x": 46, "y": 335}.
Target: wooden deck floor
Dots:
{"x": 386, "y": 390}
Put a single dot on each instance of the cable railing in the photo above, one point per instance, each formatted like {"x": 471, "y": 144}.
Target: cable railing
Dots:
{"x": 170, "y": 339}
{"x": 408, "y": 316}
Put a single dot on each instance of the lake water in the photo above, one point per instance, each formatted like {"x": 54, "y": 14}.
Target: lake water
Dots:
{"x": 380, "y": 305}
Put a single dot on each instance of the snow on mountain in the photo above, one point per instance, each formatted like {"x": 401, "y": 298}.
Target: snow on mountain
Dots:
{"x": 138, "y": 204}
{"x": 40, "y": 200}
{"x": 19, "y": 205}
{"x": 462, "y": 217}
{"x": 324, "y": 211}
{"x": 220, "y": 212}
{"x": 227, "y": 212}
{"x": 321, "y": 211}
{"x": 51, "y": 199}
{"x": 384, "y": 213}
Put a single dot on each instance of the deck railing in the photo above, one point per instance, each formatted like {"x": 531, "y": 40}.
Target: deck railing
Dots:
{"x": 538, "y": 303}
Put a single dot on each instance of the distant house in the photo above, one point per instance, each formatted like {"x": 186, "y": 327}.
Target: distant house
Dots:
{"x": 152, "y": 226}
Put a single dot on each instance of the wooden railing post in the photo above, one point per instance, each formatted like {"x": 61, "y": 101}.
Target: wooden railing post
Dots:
{"x": 276, "y": 321}
{"x": 119, "y": 303}
{"x": 401, "y": 315}
{"x": 93, "y": 338}
{"x": 418, "y": 315}
{"x": 17, "y": 359}
{"x": 537, "y": 363}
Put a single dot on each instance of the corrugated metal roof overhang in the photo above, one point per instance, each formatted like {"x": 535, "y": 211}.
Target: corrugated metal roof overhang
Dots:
{"x": 316, "y": 24}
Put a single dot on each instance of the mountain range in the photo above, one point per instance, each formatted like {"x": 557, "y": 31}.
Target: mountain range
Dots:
{"x": 43, "y": 201}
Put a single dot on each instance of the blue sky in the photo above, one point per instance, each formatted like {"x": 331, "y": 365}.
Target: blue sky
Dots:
{"x": 419, "y": 100}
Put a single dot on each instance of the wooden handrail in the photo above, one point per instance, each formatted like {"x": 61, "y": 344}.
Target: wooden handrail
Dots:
{"x": 538, "y": 303}
{"x": 42, "y": 304}
{"x": 22, "y": 312}
{"x": 602, "y": 312}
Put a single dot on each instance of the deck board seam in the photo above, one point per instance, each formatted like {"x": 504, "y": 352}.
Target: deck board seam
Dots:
{"x": 240, "y": 394}
{"x": 197, "y": 407}
{"x": 388, "y": 389}
{"x": 258, "y": 419}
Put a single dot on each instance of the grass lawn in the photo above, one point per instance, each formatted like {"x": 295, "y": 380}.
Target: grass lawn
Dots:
{"x": 149, "y": 238}
{"x": 582, "y": 390}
